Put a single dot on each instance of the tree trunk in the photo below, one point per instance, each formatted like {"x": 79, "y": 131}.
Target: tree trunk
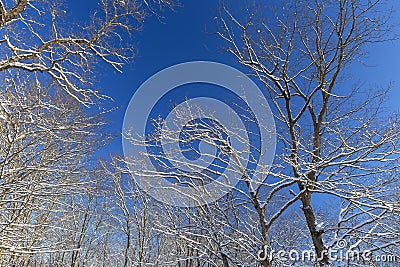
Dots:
{"x": 225, "y": 260}
{"x": 315, "y": 235}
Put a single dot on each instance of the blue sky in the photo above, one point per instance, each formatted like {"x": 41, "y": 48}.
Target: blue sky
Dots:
{"x": 188, "y": 33}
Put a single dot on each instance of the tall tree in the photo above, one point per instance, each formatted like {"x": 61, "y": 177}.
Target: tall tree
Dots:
{"x": 51, "y": 208}
{"x": 45, "y": 162}
{"x": 334, "y": 144}
{"x": 335, "y": 139}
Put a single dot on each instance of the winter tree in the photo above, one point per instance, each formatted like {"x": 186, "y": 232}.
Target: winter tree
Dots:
{"x": 52, "y": 193}
{"x": 45, "y": 167}
{"x": 39, "y": 36}
{"x": 335, "y": 139}
{"x": 335, "y": 143}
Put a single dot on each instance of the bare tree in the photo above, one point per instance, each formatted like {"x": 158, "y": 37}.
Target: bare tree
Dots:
{"x": 53, "y": 204}
{"x": 222, "y": 233}
{"x": 336, "y": 141}
{"x": 44, "y": 165}
{"x": 134, "y": 219}
{"x": 58, "y": 208}
{"x": 40, "y": 36}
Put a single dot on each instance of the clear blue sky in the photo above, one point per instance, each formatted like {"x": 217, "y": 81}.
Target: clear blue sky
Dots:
{"x": 188, "y": 33}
